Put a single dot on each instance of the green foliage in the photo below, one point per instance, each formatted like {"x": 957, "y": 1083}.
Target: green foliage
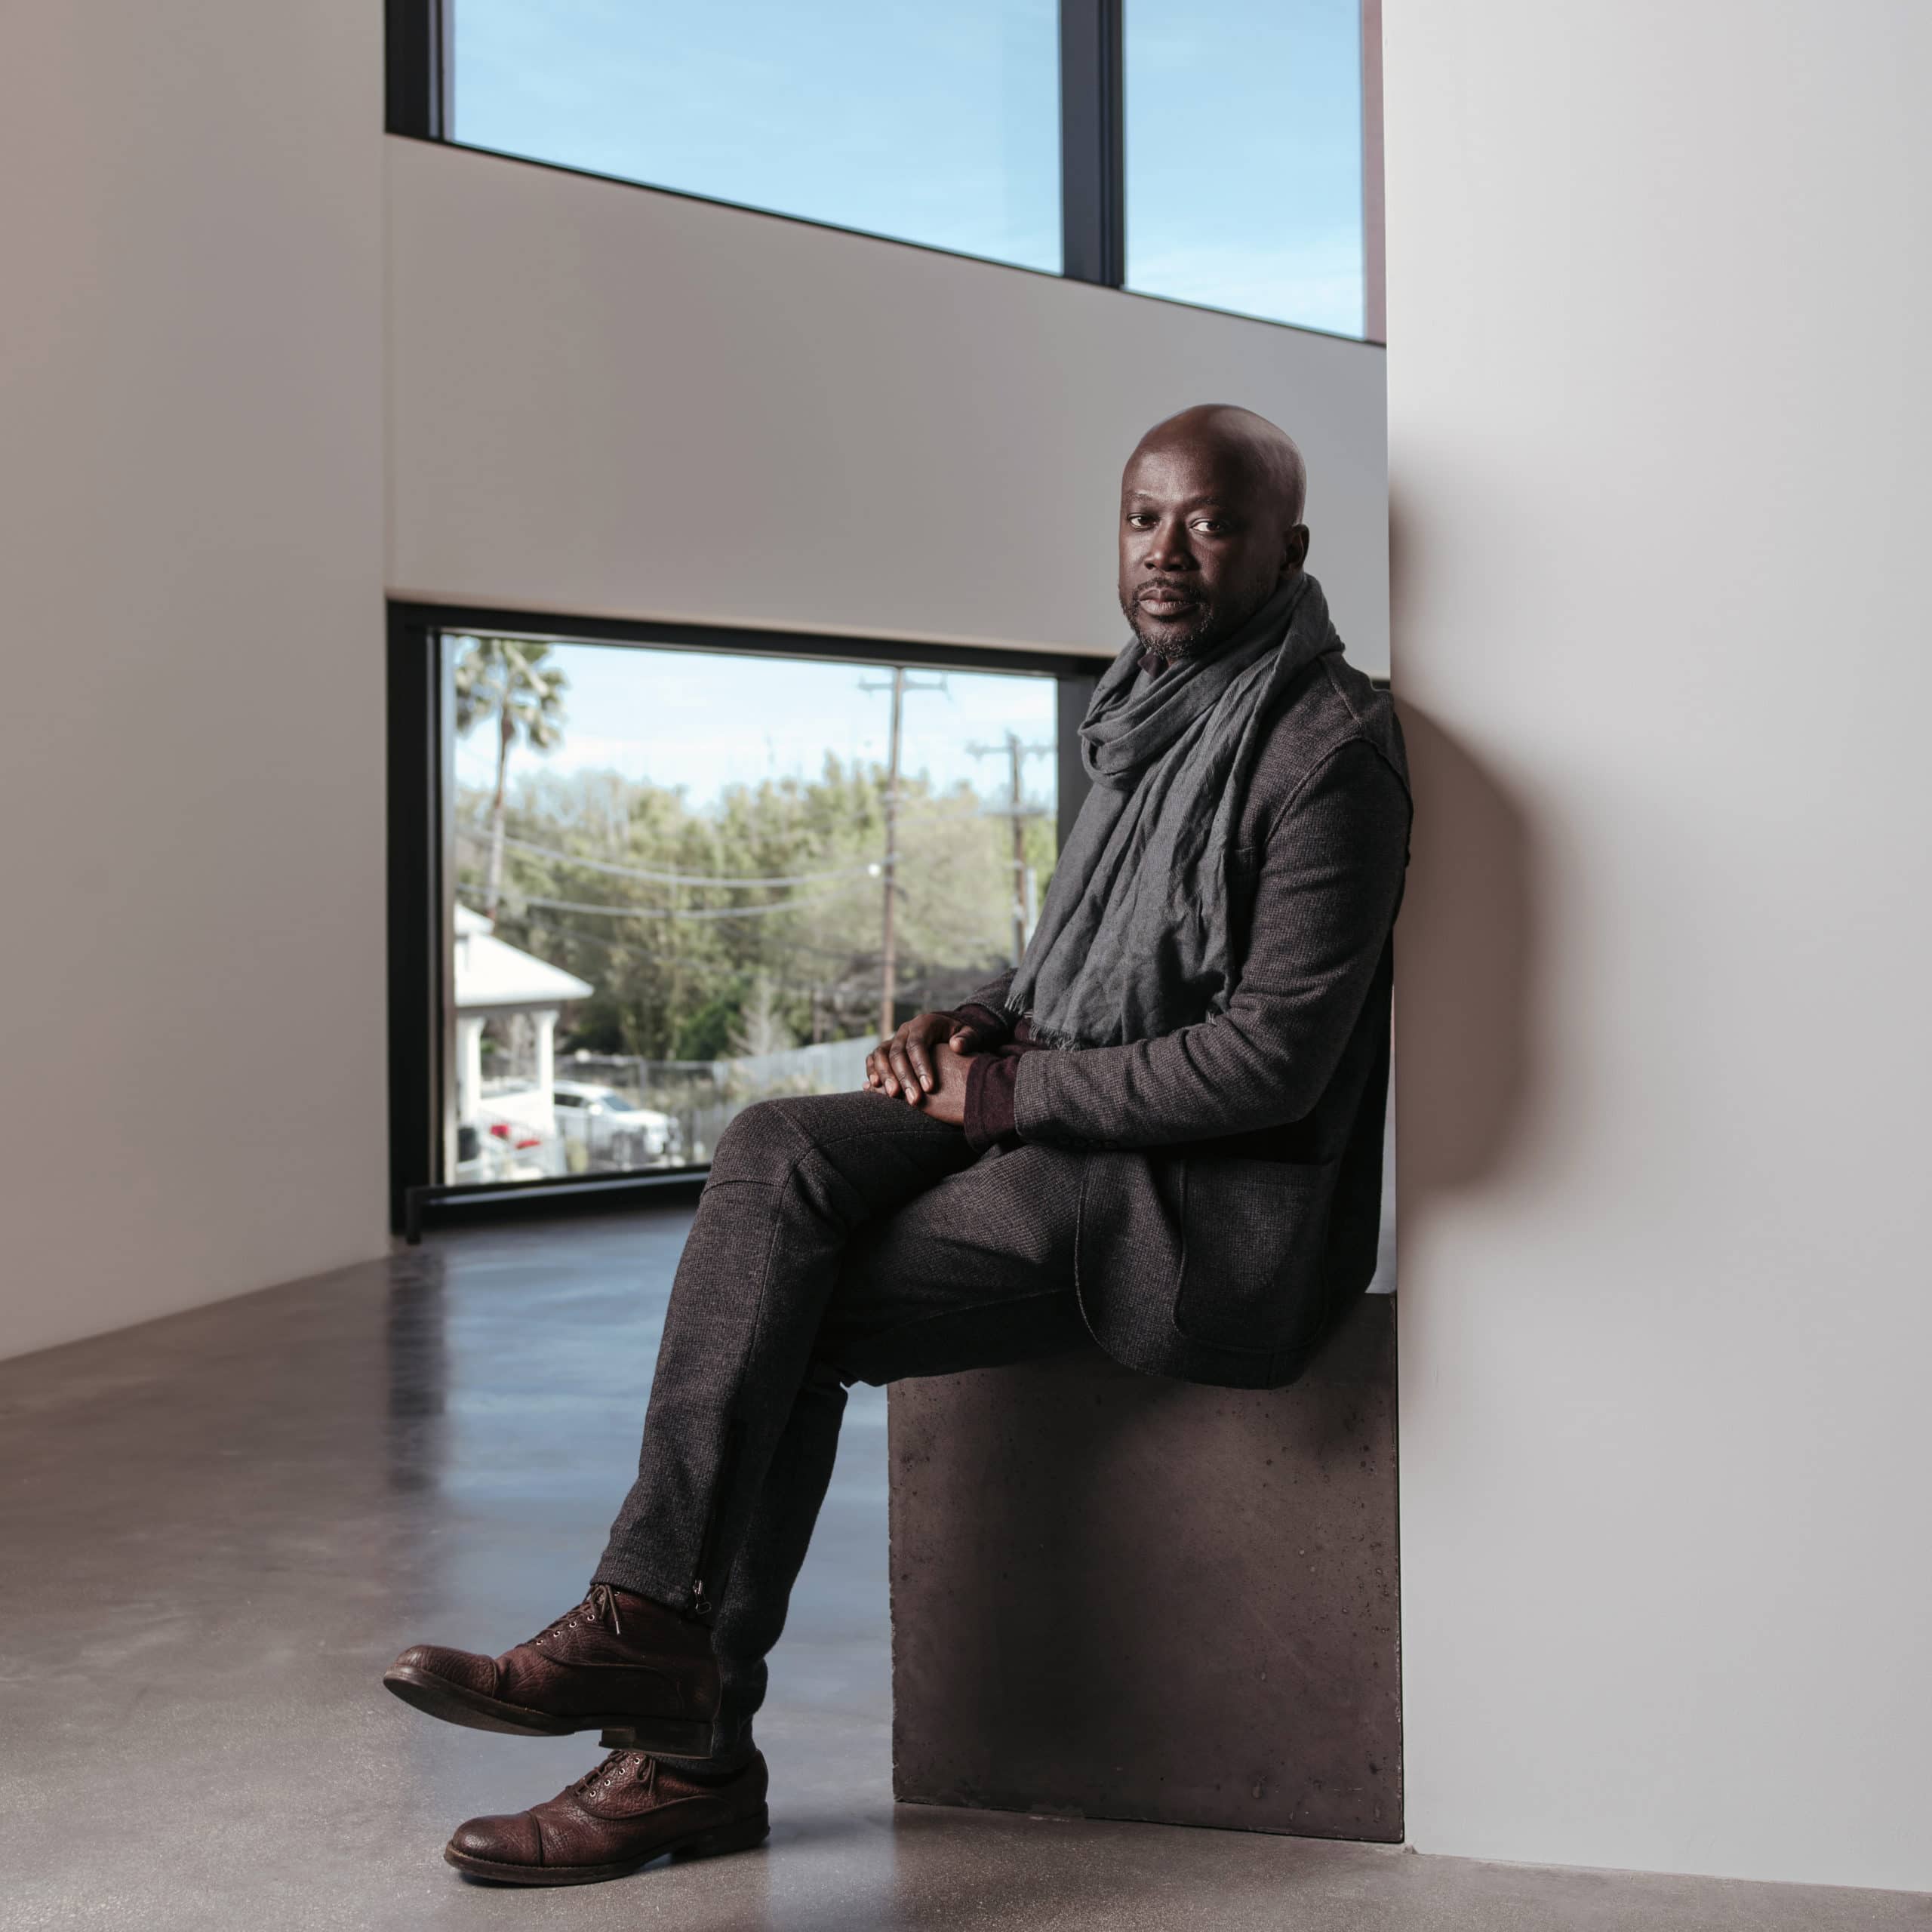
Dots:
{"x": 708, "y": 1033}
{"x": 674, "y": 984}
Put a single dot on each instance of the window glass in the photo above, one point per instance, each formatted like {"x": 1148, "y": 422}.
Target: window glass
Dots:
{"x": 670, "y": 883}
{"x": 926, "y": 123}
{"x": 1243, "y": 157}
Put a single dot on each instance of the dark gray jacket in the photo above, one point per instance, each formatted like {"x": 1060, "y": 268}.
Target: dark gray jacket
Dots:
{"x": 1232, "y": 1181}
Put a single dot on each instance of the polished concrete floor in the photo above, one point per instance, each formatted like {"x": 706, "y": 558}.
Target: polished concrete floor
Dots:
{"x": 216, "y": 1530}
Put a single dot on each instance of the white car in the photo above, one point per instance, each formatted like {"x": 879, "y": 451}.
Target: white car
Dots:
{"x": 614, "y": 1130}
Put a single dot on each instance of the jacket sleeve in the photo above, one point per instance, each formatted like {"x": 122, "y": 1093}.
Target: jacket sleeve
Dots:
{"x": 1329, "y": 882}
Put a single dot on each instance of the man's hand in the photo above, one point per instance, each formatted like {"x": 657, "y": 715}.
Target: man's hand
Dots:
{"x": 921, "y": 1064}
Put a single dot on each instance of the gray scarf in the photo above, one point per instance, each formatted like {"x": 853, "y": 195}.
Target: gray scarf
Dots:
{"x": 1134, "y": 940}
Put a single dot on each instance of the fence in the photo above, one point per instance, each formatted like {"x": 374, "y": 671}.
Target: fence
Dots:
{"x": 702, "y": 1096}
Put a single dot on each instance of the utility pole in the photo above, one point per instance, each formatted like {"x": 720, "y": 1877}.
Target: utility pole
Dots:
{"x": 1018, "y": 811}
{"x": 889, "y": 967}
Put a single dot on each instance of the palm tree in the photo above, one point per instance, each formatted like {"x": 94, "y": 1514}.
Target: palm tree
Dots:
{"x": 506, "y": 677}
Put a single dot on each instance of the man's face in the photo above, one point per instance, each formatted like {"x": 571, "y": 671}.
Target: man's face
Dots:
{"x": 1204, "y": 543}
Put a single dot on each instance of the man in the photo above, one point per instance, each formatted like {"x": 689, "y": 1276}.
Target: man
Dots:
{"x": 1161, "y": 1133}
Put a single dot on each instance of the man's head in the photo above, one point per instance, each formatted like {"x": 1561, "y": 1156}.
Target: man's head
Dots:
{"x": 1211, "y": 506}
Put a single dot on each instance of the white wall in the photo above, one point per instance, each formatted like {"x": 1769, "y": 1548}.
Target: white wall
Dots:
{"x": 612, "y": 401}
{"x": 1660, "y": 407}
{"x": 191, "y": 779}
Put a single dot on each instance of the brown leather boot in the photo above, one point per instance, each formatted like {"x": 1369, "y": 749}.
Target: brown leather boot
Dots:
{"x": 628, "y": 1811}
{"x": 618, "y": 1663}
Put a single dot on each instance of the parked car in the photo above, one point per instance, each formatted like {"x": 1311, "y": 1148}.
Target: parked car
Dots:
{"x": 502, "y": 1144}
{"x": 613, "y": 1130}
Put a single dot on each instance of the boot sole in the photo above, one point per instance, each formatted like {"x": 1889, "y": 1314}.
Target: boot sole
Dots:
{"x": 742, "y": 1835}
{"x": 454, "y": 1703}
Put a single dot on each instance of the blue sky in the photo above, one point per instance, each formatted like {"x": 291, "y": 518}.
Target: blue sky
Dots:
{"x": 939, "y": 123}
{"x": 705, "y": 720}
{"x": 1243, "y": 156}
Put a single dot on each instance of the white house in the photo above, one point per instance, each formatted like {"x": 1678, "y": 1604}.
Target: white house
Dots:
{"x": 494, "y": 979}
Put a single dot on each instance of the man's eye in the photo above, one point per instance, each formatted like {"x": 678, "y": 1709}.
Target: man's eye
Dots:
{"x": 1208, "y": 523}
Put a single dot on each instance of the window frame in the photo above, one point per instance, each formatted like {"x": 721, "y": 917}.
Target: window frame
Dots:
{"x": 422, "y": 868}
{"x": 420, "y": 93}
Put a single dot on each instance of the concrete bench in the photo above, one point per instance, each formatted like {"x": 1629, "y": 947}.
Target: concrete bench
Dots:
{"x": 1118, "y": 1597}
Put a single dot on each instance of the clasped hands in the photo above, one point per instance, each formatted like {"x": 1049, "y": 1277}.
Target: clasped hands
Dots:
{"x": 924, "y": 1064}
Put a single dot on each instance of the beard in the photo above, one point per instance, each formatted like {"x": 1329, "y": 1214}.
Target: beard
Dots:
{"x": 1205, "y": 626}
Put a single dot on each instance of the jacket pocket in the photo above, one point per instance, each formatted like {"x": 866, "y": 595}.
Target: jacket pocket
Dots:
{"x": 1254, "y": 1238}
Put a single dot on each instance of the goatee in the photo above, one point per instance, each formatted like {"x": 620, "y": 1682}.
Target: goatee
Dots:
{"x": 1170, "y": 643}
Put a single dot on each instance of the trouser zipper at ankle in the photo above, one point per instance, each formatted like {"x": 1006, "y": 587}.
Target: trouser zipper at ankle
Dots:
{"x": 702, "y": 1606}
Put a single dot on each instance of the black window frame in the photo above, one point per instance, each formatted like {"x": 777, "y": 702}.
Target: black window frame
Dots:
{"x": 420, "y": 92}
{"x": 422, "y": 871}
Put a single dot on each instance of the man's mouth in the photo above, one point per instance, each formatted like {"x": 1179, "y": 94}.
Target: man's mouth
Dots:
{"x": 1166, "y": 600}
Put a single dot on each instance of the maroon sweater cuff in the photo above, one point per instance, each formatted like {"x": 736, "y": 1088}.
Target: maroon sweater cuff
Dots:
{"x": 990, "y": 1087}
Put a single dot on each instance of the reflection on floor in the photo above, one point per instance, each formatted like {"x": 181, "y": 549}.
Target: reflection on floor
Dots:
{"x": 217, "y": 1529}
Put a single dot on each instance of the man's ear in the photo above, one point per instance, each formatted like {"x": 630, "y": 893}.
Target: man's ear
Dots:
{"x": 1294, "y": 550}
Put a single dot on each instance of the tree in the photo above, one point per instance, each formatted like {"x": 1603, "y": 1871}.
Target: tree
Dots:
{"x": 506, "y": 678}
{"x": 761, "y": 1027}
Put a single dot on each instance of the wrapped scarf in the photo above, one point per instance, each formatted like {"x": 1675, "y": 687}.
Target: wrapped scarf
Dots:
{"x": 1134, "y": 939}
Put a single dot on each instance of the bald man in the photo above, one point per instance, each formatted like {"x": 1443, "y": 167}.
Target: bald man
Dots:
{"x": 1160, "y": 1132}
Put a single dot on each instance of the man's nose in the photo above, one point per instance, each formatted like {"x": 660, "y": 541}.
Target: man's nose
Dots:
{"x": 1167, "y": 548}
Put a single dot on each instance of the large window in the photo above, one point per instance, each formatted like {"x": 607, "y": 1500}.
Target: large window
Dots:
{"x": 1245, "y": 157}
{"x": 1211, "y": 152}
{"x": 661, "y": 882}
{"x": 934, "y": 124}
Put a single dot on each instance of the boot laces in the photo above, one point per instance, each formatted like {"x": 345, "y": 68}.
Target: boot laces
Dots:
{"x": 641, "y": 1765}
{"x": 600, "y": 1606}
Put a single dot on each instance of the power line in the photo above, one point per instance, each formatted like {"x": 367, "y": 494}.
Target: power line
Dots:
{"x": 663, "y": 912}
{"x": 653, "y": 878}
{"x": 719, "y": 881}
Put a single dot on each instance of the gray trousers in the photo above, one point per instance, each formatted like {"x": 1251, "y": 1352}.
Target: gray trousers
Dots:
{"x": 842, "y": 1238}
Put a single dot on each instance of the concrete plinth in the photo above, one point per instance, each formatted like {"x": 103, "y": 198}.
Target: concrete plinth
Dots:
{"x": 1118, "y": 1597}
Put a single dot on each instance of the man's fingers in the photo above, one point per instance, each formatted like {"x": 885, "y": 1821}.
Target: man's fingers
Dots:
{"x": 902, "y": 1067}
